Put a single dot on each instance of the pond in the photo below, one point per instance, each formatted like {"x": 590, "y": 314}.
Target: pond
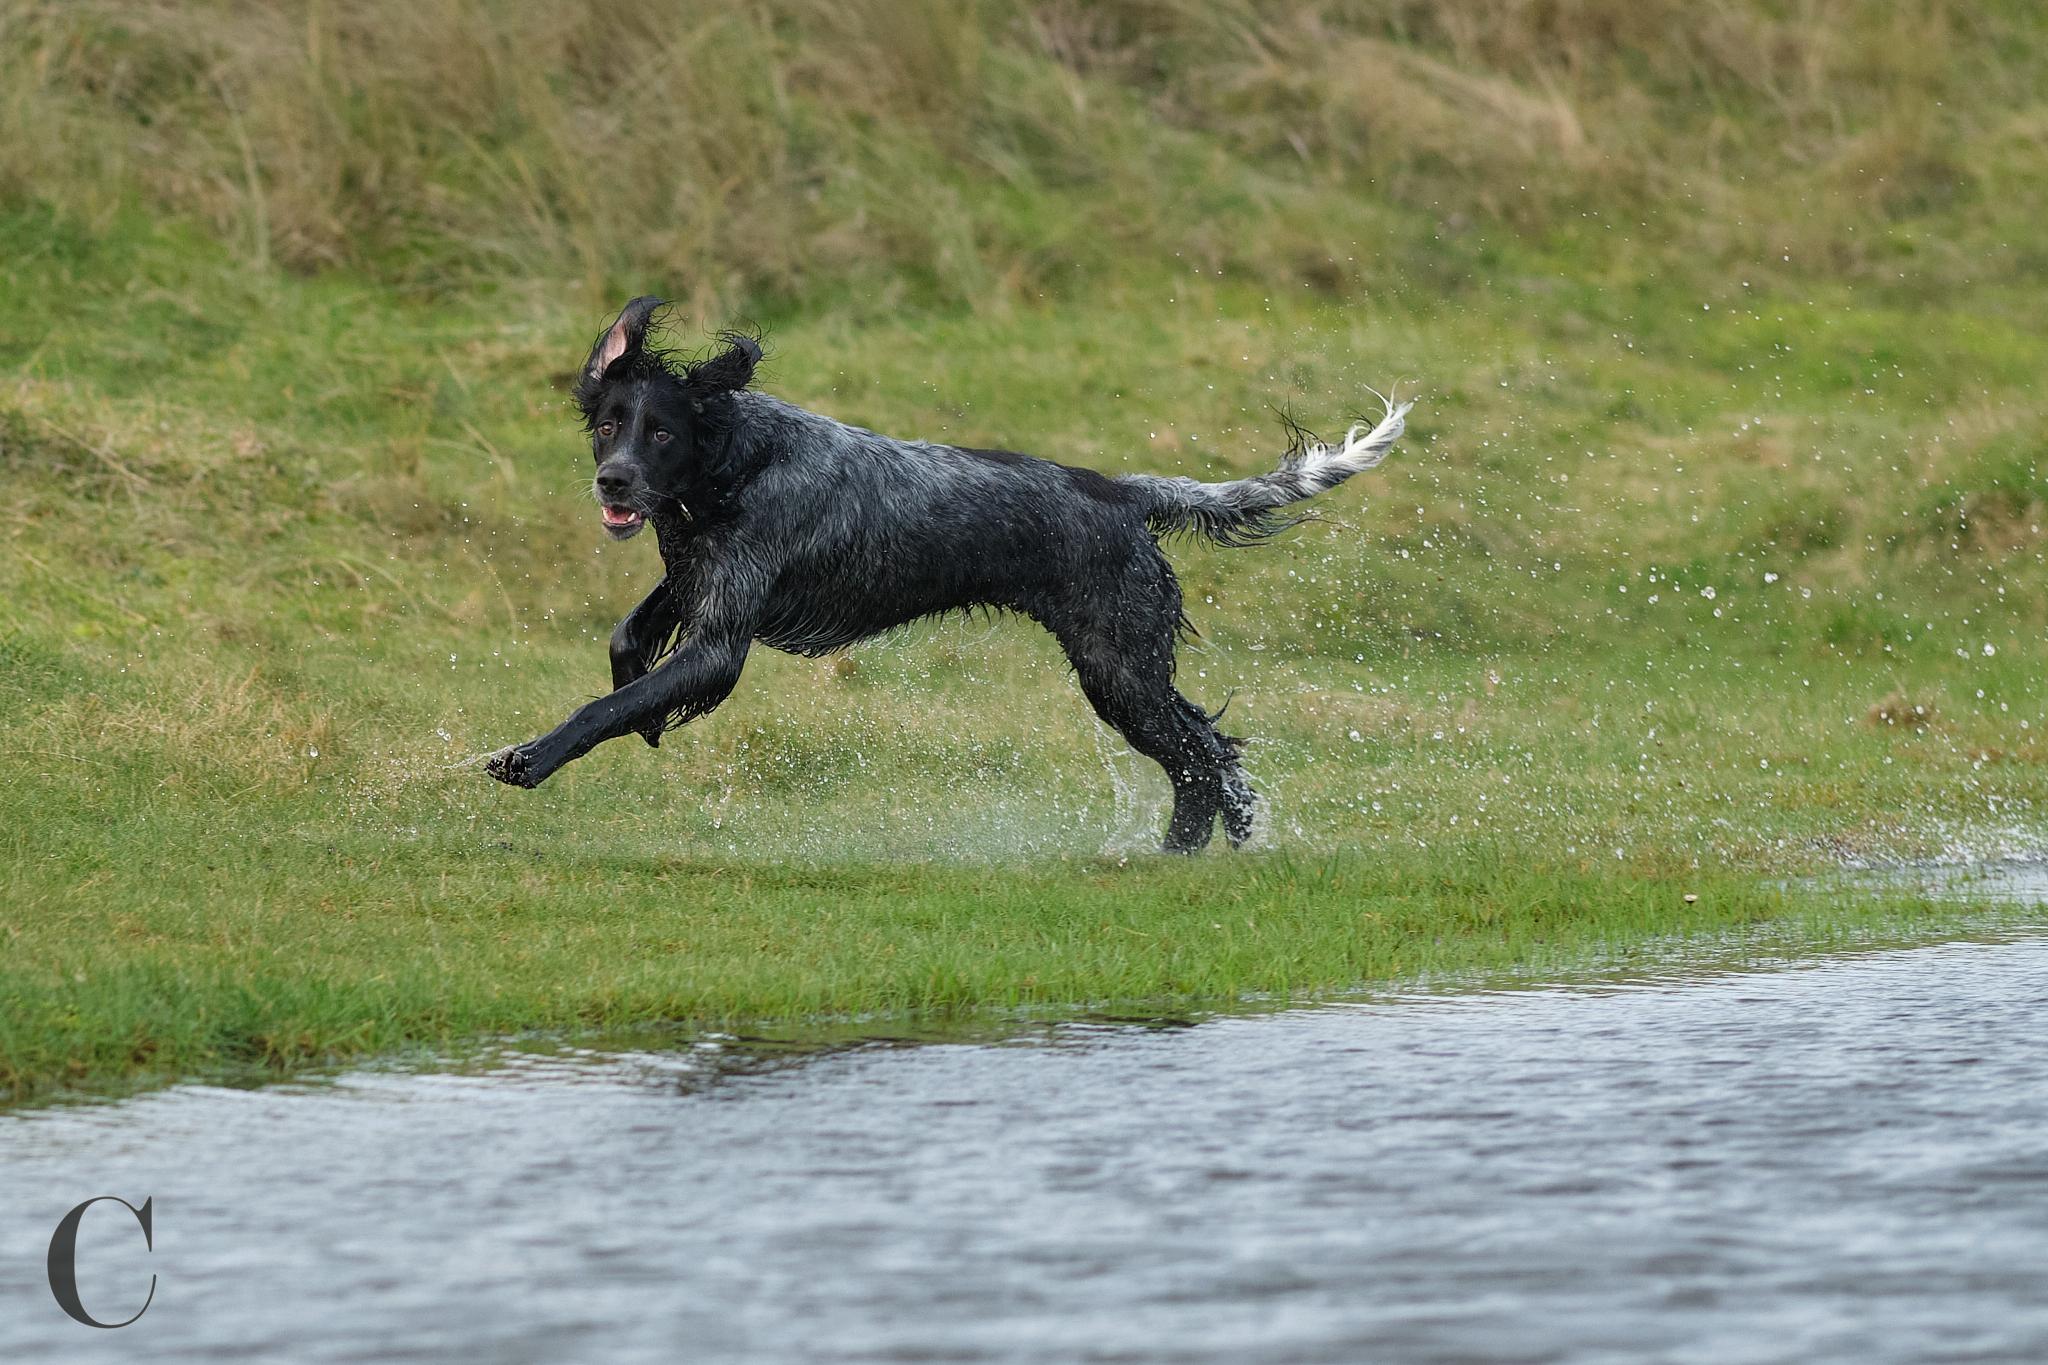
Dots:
{"x": 1845, "y": 1158}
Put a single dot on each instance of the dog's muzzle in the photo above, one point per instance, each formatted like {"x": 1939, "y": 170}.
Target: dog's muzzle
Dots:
{"x": 619, "y": 488}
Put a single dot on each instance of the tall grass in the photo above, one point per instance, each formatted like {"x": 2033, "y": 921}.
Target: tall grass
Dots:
{"x": 968, "y": 151}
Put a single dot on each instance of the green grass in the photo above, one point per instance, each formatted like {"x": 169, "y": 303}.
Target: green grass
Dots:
{"x": 1685, "y": 532}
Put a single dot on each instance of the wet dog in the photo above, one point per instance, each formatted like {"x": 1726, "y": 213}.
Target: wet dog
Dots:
{"x": 785, "y": 527}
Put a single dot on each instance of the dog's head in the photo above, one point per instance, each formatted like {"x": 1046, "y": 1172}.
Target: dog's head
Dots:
{"x": 654, "y": 422}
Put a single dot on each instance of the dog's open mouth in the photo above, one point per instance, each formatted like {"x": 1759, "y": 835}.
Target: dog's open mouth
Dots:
{"x": 622, "y": 521}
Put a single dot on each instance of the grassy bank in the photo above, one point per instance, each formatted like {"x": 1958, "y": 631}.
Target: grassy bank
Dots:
{"x": 1716, "y": 555}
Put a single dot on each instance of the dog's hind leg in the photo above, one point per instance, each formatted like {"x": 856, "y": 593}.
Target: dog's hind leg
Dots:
{"x": 1122, "y": 652}
{"x": 1240, "y": 802}
{"x": 1157, "y": 725}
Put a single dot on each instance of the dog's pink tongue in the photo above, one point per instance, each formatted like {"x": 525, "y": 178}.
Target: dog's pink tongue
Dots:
{"x": 619, "y": 516}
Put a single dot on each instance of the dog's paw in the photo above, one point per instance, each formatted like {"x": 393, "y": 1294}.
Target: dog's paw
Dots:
{"x": 652, "y": 736}
{"x": 513, "y": 767}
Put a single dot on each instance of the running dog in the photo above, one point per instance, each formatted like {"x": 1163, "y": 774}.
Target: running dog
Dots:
{"x": 785, "y": 527}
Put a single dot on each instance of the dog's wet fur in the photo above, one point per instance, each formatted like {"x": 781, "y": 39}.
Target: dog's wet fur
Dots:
{"x": 785, "y": 527}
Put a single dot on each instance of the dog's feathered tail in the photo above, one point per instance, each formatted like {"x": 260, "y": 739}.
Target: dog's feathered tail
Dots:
{"x": 1246, "y": 511}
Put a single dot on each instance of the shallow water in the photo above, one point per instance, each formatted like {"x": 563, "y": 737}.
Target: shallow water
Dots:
{"x": 1846, "y": 1159}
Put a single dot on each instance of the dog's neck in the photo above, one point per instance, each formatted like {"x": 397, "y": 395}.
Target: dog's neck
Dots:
{"x": 674, "y": 529}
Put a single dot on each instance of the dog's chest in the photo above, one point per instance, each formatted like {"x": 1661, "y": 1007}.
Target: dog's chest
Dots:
{"x": 803, "y": 620}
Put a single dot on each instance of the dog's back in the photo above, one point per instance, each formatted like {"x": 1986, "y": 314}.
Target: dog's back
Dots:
{"x": 869, "y": 532}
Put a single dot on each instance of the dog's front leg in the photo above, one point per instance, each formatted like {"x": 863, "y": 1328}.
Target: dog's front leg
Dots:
{"x": 643, "y": 631}
{"x": 700, "y": 676}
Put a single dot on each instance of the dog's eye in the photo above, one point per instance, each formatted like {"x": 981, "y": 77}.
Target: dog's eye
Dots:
{"x": 660, "y": 437}
{"x": 605, "y": 429}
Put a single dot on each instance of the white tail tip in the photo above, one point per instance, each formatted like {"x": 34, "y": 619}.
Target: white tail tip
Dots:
{"x": 1362, "y": 448}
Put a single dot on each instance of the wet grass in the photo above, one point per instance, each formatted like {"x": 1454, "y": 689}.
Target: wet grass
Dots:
{"x": 242, "y": 960}
{"x": 1704, "y": 567}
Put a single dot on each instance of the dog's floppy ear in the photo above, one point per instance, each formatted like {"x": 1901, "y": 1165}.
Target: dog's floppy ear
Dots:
{"x": 731, "y": 369}
{"x": 622, "y": 338}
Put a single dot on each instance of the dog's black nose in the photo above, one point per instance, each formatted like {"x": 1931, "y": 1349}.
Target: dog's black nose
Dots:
{"x": 613, "y": 484}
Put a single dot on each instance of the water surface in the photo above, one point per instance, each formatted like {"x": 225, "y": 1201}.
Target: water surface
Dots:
{"x": 1841, "y": 1160}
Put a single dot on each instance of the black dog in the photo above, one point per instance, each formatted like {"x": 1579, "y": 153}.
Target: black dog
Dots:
{"x": 782, "y": 526}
